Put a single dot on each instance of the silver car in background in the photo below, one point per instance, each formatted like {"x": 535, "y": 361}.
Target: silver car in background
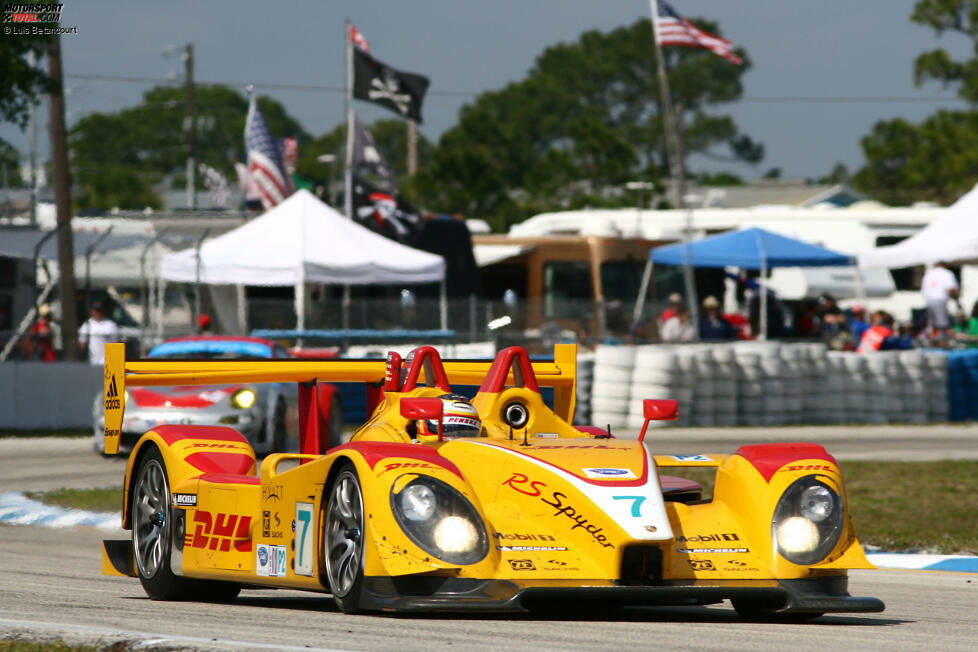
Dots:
{"x": 265, "y": 413}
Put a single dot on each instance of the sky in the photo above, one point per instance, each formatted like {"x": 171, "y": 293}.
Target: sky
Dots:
{"x": 800, "y": 50}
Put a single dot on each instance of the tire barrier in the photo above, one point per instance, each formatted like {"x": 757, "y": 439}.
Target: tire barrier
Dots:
{"x": 777, "y": 384}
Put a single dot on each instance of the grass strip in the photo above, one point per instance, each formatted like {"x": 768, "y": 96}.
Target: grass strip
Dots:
{"x": 107, "y": 499}
{"x": 13, "y": 645}
{"x": 43, "y": 432}
{"x": 919, "y": 506}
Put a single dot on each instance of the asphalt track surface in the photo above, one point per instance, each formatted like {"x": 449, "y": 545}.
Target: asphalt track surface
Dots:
{"x": 51, "y": 586}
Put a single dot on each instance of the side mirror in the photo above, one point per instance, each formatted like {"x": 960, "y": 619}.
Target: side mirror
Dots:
{"x": 658, "y": 410}
{"x": 423, "y": 408}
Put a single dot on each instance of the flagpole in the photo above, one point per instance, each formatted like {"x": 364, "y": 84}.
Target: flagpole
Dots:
{"x": 677, "y": 168}
{"x": 348, "y": 109}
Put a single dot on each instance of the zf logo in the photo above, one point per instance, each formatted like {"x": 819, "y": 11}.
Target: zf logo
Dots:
{"x": 701, "y": 564}
{"x": 217, "y": 531}
{"x": 522, "y": 564}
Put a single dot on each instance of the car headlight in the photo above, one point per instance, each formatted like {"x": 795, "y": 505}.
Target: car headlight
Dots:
{"x": 807, "y": 521}
{"x": 440, "y": 520}
{"x": 243, "y": 398}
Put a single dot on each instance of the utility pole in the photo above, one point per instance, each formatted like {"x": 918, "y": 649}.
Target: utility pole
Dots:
{"x": 33, "y": 157}
{"x": 412, "y": 148}
{"x": 62, "y": 189}
{"x": 191, "y": 126}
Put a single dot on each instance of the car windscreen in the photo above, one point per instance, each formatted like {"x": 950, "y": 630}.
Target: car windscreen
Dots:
{"x": 211, "y": 350}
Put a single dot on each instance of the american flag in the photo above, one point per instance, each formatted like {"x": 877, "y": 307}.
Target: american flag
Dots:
{"x": 673, "y": 29}
{"x": 265, "y": 159}
{"x": 358, "y": 39}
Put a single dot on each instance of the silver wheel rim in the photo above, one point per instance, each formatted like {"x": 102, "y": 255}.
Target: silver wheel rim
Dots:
{"x": 343, "y": 543}
{"x": 151, "y": 506}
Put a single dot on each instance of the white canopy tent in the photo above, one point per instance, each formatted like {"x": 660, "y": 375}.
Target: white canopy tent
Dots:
{"x": 953, "y": 238}
{"x": 302, "y": 240}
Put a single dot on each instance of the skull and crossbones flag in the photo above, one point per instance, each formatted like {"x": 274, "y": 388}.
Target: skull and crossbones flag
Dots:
{"x": 374, "y": 81}
{"x": 367, "y": 156}
{"x": 384, "y": 212}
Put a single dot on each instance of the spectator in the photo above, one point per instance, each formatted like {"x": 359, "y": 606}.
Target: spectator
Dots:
{"x": 808, "y": 324}
{"x": 881, "y": 330}
{"x": 98, "y": 331}
{"x": 204, "y": 324}
{"x": 712, "y": 325}
{"x": 678, "y": 327}
{"x": 968, "y": 332}
{"x": 675, "y": 300}
{"x": 43, "y": 336}
{"x": 857, "y": 323}
{"x": 938, "y": 286}
{"x": 834, "y": 329}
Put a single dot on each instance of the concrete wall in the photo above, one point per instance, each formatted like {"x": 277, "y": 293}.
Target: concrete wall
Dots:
{"x": 47, "y": 395}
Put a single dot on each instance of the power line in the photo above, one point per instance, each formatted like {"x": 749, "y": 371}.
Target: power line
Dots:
{"x": 280, "y": 87}
{"x": 312, "y": 88}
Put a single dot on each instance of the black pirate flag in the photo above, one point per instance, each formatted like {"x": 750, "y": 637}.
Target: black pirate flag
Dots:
{"x": 384, "y": 212}
{"x": 401, "y": 92}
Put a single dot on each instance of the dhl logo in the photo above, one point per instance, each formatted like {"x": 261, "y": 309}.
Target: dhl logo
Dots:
{"x": 218, "y": 531}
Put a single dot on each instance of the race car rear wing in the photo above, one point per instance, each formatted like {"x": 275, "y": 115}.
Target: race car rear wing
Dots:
{"x": 559, "y": 373}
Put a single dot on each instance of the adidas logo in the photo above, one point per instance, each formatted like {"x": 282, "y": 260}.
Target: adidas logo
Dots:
{"x": 113, "y": 392}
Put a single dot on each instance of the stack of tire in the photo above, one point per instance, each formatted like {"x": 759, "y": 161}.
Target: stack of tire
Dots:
{"x": 773, "y": 404}
{"x": 818, "y": 404}
{"x": 726, "y": 385}
{"x": 657, "y": 374}
{"x": 612, "y": 386}
{"x": 750, "y": 384}
{"x": 703, "y": 405}
{"x": 937, "y": 386}
{"x": 585, "y": 379}
{"x": 915, "y": 402}
{"x": 795, "y": 379}
{"x": 878, "y": 387}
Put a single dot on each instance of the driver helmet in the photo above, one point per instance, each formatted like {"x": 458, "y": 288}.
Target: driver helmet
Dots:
{"x": 459, "y": 418}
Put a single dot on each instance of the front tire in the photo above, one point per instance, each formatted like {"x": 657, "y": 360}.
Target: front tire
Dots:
{"x": 343, "y": 540}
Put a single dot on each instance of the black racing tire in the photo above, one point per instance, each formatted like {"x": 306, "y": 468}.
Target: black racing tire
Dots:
{"x": 150, "y": 517}
{"x": 762, "y": 612}
{"x": 276, "y": 433}
{"x": 342, "y": 537}
{"x": 335, "y": 424}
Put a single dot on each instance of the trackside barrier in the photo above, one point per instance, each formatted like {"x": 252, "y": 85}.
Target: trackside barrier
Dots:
{"x": 47, "y": 395}
{"x": 777, "y": 383}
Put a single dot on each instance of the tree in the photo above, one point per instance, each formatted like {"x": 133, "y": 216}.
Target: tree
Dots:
{"x": 21, "y": 83}
{"x": 10, "y": 165}
{"x": 117, "y": 158}
{"x": 935, "y": 160}
{"x": 583, "y": 122}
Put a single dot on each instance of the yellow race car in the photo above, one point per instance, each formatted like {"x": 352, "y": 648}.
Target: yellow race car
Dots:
{"x": 496, "y": 503}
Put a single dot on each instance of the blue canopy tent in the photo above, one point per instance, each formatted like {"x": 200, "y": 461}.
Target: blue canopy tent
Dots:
{"x": 751, "y": 248}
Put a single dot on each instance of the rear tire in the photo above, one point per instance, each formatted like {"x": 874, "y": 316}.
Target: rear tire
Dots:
{"x": 150, "y": 517}
{"x": 342, "y": 538}
{"x": 152, "y": 535}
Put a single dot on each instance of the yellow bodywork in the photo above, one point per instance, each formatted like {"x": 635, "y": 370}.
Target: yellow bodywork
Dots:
{"x": 549, "y": 518}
